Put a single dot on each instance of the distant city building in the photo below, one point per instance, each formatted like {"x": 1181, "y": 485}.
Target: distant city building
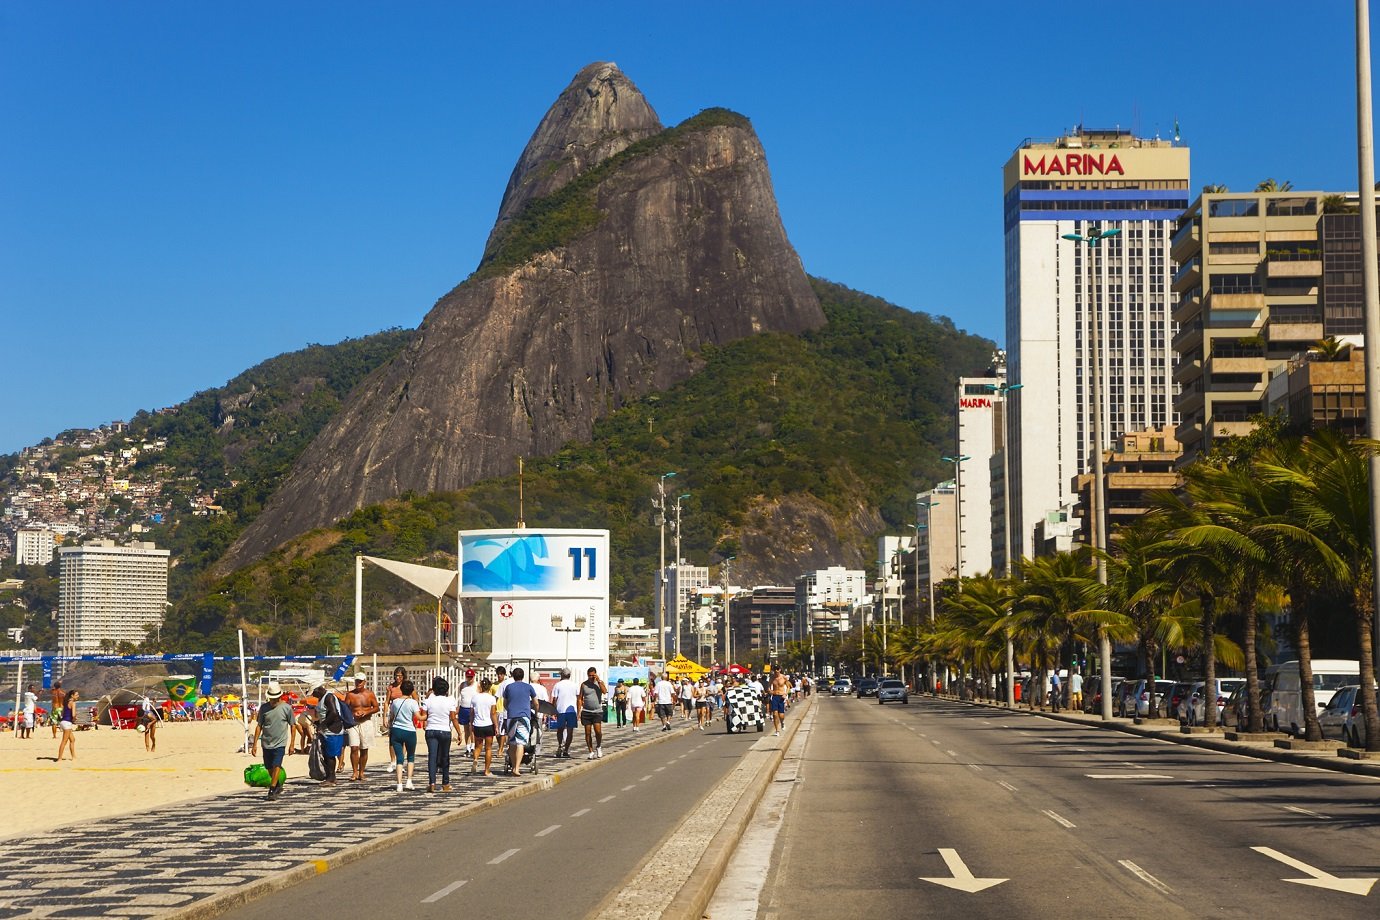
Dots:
{"x": 936, "y": 513}
{"x": 978, "y": 439}
{"x": 1142, "y": 462}
{"x": 761, "y": 615}
{"x": 828, "y": 601}
{"x": 33, "y": 546}
{"x": 1074, "y": 184}
{"x": 109, "y": 592}
{"x": 1317, "y": 390}
{"x": 682, "y": 583}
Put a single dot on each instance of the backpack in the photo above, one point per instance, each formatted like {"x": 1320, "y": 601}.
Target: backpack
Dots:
{"x": 347, "y": 715}
{"x": 338, "y": 715}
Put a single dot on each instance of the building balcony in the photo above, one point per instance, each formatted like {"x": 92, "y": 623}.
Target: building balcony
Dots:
{"x": 1235, "y": 364}
{"x": 1188, "y": 370}
{"x": 1188, "y": 308}
{"x": 1277, "y": 331}
{"x": 1186, "y": 242}
{"x": 1188, "y": 274}
{"x": 1291, "y": 268}
{"x": 1190, "y": 399}
{"x": 1189, "y": 337}
{"x": 1230, "y": 427}
{"x": 1189, "y": 432}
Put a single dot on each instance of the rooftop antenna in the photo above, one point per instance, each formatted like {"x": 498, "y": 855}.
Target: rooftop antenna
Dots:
{"x": 522, "y": 523}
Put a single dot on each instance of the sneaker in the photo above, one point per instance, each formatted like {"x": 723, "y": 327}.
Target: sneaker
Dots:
{"x": 446, "y": 788}
{"x": 599, "y": 752}
{"x": 399, "y": 787}
{"x": 591, "y": 756}
{"x": 409, "y": 787}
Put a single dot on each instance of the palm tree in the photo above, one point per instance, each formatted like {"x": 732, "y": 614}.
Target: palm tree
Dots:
{"x": 1330, "y": 487}
{"x": 1270, "y": 185}
{"x": 1139, "y": 586}
{"x": 1057, "y": 600}
{"x": 1330, "y": 349}
{"x": 1211, "y": 189}
{"x": 974, "y": 624}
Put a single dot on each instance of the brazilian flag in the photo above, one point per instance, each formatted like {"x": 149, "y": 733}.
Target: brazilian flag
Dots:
{"x": 181, "y": 689}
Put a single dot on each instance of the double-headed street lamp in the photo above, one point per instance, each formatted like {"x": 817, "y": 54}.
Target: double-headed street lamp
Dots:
{"x": 558, "y": 624}
{"x": 661, "y": 572}
{"x": 1099, "y": 530}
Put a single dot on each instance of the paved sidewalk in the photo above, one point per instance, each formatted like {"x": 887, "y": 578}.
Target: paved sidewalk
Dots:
{"x": 172, "y": 860}
{"x": 1213, "y": 741}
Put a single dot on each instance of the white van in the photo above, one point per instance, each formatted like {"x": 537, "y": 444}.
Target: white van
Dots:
{"x": 1286, "y": 697}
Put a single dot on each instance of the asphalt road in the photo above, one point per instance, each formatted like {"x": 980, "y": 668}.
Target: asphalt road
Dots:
{"x": 1080, "y": 822}
{"x": 555, "y": 854}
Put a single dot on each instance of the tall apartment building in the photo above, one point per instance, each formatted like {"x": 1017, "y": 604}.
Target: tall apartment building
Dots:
{"x": 682, "y": 583}
{"x": 937, "y": 514}
{"x": 1071, "y": 185}
{"x": 109, "y": 592}
{"x": 33, "y": 546}
{"x": 977, "y": 437}
{"x": 1249, "y": 279}
{"x": 828, "y": 601}
{"x": 758, "y": 615}
{"x": 1141, "y": 463}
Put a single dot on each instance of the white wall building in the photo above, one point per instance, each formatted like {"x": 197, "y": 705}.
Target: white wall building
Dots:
{"x": 33, "y": 546}
{"x": 828, "y": 599}
{"x": 1071, "y": 185}
{"x": 935, "y": 512}
{"x": 682, "y": 587}
{"x": 109, "y": 592}
{"x": 978, "y": 439}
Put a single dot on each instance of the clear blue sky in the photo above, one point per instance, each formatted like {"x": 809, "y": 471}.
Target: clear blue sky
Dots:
{"x": 187, "y": 189}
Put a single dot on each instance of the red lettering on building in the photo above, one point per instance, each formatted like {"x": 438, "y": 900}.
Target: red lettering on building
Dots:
{"x": 974, "y": 402}
{"x": 1073, "y": 164}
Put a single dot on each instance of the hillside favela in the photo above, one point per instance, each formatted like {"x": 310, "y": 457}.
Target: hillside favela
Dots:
{"x": 796, "y": 471}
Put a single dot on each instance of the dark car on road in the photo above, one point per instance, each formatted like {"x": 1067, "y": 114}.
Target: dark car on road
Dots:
{"x": 867, "y": 686}
{"x": 893, "y": 691}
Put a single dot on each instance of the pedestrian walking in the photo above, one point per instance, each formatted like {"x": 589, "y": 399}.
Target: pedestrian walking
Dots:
{"x": 519, "y": 703}
{"x": 665, "y": 694}
{"x": 148, "y": 724}
{"x": 567, "y": 694}
{"x": 484, "y": 726}
{"x": 30, "y": 707}
{"x": 402, "y": 734}
{"x": 780, "y": 687}
{"x": 1076, "y": 691}
{"x": 464, "y": 713}
{"x": 1055, "y": 689}
{"x": 394, "y": 691}
{"x": 637, "y": 702}
{"x": 331, "y": 724}
{"x": 620, "y": 702}
{"x": 440, "y": 708}
{"x": 592, "y": 693}
{"x": 273, "y": 723}
{"x": 501, "y": 682}
{"x": 360, "y": 736}
{"x": 68, "y": 724}
{"x": 702, "y": 704}
{"x": 56, "y": 699}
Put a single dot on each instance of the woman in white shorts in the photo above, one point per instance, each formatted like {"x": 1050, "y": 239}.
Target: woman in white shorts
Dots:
{"x": 69, "y": 726}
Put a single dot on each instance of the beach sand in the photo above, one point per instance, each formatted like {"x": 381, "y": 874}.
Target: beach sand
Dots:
{"x": 114, "y": 775}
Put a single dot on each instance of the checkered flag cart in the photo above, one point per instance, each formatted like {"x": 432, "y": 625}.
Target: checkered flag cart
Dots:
{"x": 743, "y": 709}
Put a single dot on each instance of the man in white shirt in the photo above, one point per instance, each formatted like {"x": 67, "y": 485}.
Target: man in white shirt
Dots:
{"x": 500, "y": 685}
{"x": 30, "y": 707}
{"x": 637, "y": 703}
{"x": 567, "y": 694}
{"x": 465, "y": 714}
{"x": 665, "y": 694}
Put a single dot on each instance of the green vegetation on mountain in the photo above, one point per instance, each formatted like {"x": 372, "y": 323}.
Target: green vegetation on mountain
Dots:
{"x": 241, "y": 439}
{"x": 547, "y": 223}
{"x": 855, "y": 414}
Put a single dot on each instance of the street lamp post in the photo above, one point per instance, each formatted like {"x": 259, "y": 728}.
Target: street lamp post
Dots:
{"x": 1365, "y": 159}
{"x": 661, "y": 572}
{"x": 558, "y": 624}
{"x": 1104, "y": 642}
{"x": 680, "y": 588}
{"x": 957, "y": 461}
{"x": 929, "y": 575}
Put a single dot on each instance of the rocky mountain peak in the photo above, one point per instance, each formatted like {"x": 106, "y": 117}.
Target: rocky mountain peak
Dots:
{"x": 598, "y": 115}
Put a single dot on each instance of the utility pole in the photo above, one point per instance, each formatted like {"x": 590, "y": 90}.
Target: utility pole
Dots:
{"x": 660, "y": 504}
{"x": 680, "y": 586}
{"x": 1365, "y": 157}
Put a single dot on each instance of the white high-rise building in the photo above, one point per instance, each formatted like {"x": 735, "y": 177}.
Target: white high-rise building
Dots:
{"x": 827, "y": 599}
{"x": 1072, "y": 185}
{"x": 33, "y": 546}
{"x": 978, "y": 440}
{"x": 682, "y": 586}
{"x": 109, "y": 592}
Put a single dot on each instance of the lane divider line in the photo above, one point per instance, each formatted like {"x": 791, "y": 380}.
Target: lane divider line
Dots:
{"x": 1304, "y": 811}
{"x": 1145, "y": 877}
{"x": 1007, "y": 786}
{"x": 548, "y": 830}
{"x": 607, "y": 798}
{"x": 453, "y": 886}
{"x": 582, "y": 812}
{"x": 629, "y": 788}
{"x": 1058, "y": 818}
{"x": 502, "y": 856}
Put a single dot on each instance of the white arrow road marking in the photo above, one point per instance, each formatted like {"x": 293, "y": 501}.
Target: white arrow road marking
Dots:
{"x": 453, "y": 886}
{"x": 1145, "y": 877}
{"x": 1058, "y": 818}
{"x": 1127, "y": 776}
{"x": 1304, "y": 811}
{"x": 1319, "y": 879}
{"x": 963, "y": 879}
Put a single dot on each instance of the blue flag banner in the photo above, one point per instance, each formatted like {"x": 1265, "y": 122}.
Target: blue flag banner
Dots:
{"x": 47, "y": 673}
{"x": 208, "y": 662}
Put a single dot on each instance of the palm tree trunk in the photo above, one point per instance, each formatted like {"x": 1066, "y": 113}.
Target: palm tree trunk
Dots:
{"x": 1255, "y": 719}
{"x": 1364, "y": 602}
{"x": 1210, "y": 657}
{"x": 1312, "y": 731}
{"x": 1148, "y": 646}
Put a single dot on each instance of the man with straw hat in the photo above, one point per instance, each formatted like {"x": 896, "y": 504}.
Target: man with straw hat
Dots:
{"x": 274, "y": 723}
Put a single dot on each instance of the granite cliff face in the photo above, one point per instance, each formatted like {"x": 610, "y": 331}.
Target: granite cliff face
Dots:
{"x": 621, "y": 250}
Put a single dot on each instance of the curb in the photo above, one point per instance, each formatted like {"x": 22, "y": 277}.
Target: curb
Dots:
{"x": 251, "y": 891}
{"x": 1299, "y": 759}
{"x": 690, "y": 901}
